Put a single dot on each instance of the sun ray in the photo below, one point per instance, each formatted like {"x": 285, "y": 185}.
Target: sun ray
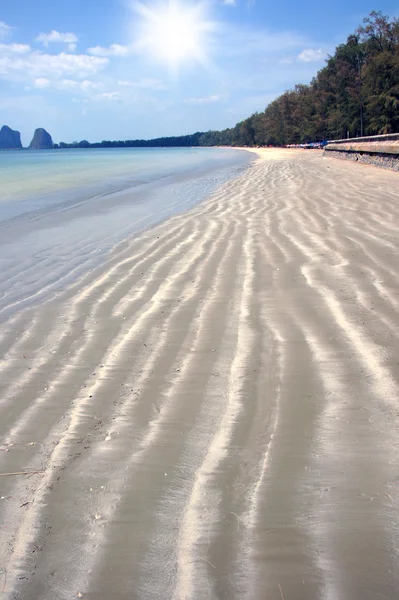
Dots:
{"x": 174, "y": 33}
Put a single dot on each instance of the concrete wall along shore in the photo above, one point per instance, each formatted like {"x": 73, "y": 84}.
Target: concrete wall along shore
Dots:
{"x": 379, "y": 150}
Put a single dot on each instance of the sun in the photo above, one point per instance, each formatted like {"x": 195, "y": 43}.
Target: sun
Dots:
{"x": 173, "y": 32}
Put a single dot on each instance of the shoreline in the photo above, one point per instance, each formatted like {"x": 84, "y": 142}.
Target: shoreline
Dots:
{"x": 215, "y": 412}
{"x": 69, "y": 238}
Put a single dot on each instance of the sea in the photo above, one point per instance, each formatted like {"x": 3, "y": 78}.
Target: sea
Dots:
{"x": 62, "y": 212}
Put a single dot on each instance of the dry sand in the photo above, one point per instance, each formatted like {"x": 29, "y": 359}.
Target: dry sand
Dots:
{"x": 214, "y": 413}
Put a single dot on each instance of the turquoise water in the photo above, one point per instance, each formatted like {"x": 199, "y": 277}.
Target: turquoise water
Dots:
{"x": 40, "y": 179}
{"x": 62, "y": 211}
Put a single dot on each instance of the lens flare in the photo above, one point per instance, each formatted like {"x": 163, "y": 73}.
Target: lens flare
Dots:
{"x": 174, "y": 33}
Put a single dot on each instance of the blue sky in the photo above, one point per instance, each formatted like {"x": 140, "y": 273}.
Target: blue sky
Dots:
{"x": 111, "y": 69}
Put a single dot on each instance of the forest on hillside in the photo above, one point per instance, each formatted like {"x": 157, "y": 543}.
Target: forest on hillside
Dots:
{"x": 356, "y": 93}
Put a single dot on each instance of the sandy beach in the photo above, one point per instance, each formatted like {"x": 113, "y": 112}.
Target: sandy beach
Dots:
{"x": 213, "y": 413}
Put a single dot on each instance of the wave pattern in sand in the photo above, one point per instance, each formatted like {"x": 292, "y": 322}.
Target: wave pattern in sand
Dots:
{"x": 214, "y": 412}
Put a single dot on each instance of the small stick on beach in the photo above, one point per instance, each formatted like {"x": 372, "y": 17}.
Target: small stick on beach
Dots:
{"x": 20, "y": 473}
{"x": 207, "y": 561}
{"x": 238, "y": 520}
{"x": 5, "y": 580}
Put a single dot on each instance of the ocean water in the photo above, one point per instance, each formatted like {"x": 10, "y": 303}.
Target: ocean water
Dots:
{"x": 63, "y": 211}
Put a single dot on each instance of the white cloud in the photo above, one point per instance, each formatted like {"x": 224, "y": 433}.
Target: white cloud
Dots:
{"x": 206, "y": 100}
{"x": 86, "y": 86}
{"x": 14, "y": 49}
{"x": 68, "y": 84}
{"x": 124, "y": 83}
{"x": 230, "y": 2}
{"x": 311, "y": 55}
{"x": 5, "y": 30}
{"x": 76, "y": 74}
{"x": 153, "y": 84}
{"x": 42, "y": 82}
{"x": 109, "y": 96}
{"x": 113, "y": 50}
{"x": 57, "y": 37}
{"x": 19, "y": 62}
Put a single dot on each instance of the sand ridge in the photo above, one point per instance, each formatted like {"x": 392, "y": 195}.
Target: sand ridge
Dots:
{"x": 213, "y": 413}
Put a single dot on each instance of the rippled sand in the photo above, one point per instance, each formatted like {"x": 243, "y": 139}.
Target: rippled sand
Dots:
{"x": 214, "y": 413}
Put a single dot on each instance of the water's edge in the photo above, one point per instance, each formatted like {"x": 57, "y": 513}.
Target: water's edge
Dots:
{"x": 46, "y": 249}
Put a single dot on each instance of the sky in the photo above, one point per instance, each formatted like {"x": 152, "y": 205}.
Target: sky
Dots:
{"x": 129, "y": 69}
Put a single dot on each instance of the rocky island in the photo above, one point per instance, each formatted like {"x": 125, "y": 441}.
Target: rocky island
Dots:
{"x": 9, "y": 139}
{"x": 41, "y": 140}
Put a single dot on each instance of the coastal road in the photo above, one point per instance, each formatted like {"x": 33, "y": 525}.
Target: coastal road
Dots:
{"x": 214, "y": 413}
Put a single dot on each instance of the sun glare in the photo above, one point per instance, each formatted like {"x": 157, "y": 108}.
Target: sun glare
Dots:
{"x": 174, "y": 33}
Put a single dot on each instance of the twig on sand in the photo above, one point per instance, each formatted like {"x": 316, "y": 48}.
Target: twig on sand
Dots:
{"x": 268, "y": 531}
{"x": 208, "y": 561}
{"x": 281, "y": 592}
{"x": 204, "y": 560}
{"x": 5, "y": 580}
{"x": 238, "y": 520}
{"x": 20, "y": 473}
{"x": 391, "y": 499}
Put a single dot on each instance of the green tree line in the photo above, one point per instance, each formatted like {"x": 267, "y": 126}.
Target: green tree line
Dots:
{"x": 165, "y": 142}
{"x": 357, "y": 92}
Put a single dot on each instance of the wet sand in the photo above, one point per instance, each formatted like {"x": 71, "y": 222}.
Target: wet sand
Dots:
{"x": 214, "y": 412}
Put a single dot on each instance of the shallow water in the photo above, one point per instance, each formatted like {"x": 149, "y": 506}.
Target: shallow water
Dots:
{"x": 60, "y": 211}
